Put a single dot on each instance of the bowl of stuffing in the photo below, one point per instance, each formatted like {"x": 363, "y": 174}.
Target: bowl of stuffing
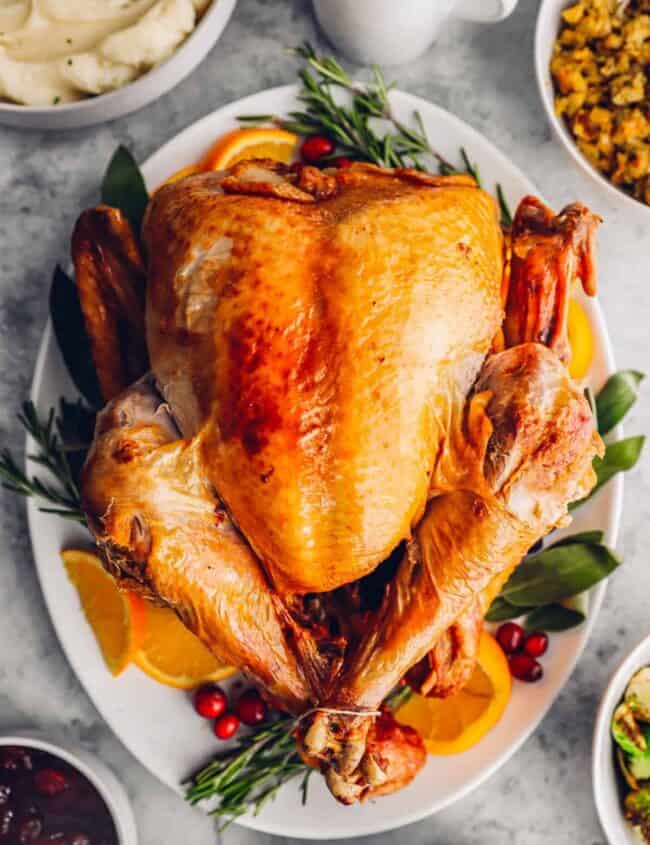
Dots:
{"x": 65, "y": 64}
{"x": 592, "y": 60}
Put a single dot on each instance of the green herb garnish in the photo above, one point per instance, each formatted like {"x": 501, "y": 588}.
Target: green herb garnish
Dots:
{"x": 553, "y": 617}
{"x": 557, "y": 573}
{"x": 51, "y": 454}
{"x": 123, "y": 187}
{"x": 354, "y": 126}
{"x": 506, "y": 215}
{"x": 540, "y": 586}
{"x": 616, "y": 398}
{"x": 246, "y": 776}
{"x": 350, "y": 126}
{"x": 70, "y": 331}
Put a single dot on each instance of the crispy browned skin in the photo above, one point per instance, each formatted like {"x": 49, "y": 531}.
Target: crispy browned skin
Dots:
{"x": 549, "y": 254}
{"x": 322, "y": 341}
{"x": 156, "y": 519}
{"x": 396, "y": 753}
{"x": 318, "y": 348}
{"x": 110, "y": 279}
{"x": 538, "y": 459}
{"x": 533, "y": 434}
{"x": 548, "y": 258}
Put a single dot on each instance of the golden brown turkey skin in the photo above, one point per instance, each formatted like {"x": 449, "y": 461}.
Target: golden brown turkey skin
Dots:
{"x": 316, "y": 336}
{"x": 537, "y": 457}
{"x": 110, "y": 278}
{"x": 161, "y": 530}
{"x": 318, "y": 345}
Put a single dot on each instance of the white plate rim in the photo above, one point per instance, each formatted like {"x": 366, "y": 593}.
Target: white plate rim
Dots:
{"x": 261, "y": 824}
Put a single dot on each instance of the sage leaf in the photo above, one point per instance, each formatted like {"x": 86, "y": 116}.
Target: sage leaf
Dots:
{"x": 123, "y": 187}
{"x": 595, "y": 536}
{"x": 589, "y": 396}
{"x": 506, "y": 214}
{"x": 558, "y": 573}
{"x": 616, "y": 398}
{"x": 70, "y": 331}
{"x": 501, "y": 610}
{"x": 553, "y": 617}
{"x": 618, "y": 457}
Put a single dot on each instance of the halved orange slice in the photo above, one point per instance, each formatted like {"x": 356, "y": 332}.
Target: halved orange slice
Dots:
{"x": 258, "y": 142}
{"x": 581, "y": 341}
{"x": 172, "y": 655}
{"x": 116, "y": 617}
{"x": 454, "y": 724}
{"x": 190, "y": 170}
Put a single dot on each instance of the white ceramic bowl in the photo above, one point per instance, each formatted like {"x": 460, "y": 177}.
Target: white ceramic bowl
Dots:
{"x": 99, "y": 775}
{"x": 605, "y": 776}
{"x": 548, "y": 25}
{"x": 137, "y": 94}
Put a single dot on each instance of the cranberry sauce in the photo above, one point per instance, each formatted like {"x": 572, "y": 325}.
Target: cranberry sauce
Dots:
{"x": 45, "y": 800}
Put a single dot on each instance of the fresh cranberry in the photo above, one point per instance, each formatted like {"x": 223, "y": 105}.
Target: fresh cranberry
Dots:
{"x": 316, "y": 147}
{"x": 5, "y": 794}
{"x": 13, "y": 758}
{"x": 226, "y": 726}
{"x": 525, "y": 668}
{"x": 251, "y": 710}
{"x": 510, "y": 637}
{"x": 6, "y": 818}
{"x": 29, "y": 830}
{"x": 536, "y": 644}
{"x": 210, "y": 701}
{"x": 342, "y": 162}
{"x": 77, "y": 839}
{"x": 50, "y": 782}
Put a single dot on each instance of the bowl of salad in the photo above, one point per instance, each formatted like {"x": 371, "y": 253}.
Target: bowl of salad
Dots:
{"x": 621, "y": 751}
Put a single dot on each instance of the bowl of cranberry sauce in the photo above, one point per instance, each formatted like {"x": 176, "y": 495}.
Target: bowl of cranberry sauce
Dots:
{"x": 53, "y": 794}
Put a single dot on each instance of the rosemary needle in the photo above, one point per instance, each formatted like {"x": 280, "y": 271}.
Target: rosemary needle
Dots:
{"x": 51, "y": 454}
{"x": 247, "y": 775}
{"x": 353, "y": 125}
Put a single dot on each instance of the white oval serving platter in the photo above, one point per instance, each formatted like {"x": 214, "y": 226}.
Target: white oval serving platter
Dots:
{"x": 157, "y": 723}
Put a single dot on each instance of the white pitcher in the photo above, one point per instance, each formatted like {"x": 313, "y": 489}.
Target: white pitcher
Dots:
{"x": 393, "y": 32}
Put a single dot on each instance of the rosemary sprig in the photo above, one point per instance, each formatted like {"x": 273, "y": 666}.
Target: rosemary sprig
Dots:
{"x": 350, "y": 125}
{"x": 249, "y": 774}
{"x": 51, "y": 454}
{"x": 399, "y": 697}
{"x": 506, "y": 215}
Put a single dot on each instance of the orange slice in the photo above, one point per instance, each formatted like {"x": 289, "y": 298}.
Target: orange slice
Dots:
{"x": 116, "y": 617}
{"x": 452, "y": 725}
{"x": 581, "y": 341}
{"x": 260, "y": 142}
{"x": 172, "y": 655}
{"x": 190, "y": 170}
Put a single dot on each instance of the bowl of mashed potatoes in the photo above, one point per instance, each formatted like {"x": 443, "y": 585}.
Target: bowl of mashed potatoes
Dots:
{"x": 71, "y": 63}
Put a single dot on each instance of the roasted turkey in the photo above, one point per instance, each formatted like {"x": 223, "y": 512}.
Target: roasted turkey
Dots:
{"x": 350, "y": 419}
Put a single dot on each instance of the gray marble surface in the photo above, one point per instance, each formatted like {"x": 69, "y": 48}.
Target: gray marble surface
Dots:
{"x": 484, "y": 75}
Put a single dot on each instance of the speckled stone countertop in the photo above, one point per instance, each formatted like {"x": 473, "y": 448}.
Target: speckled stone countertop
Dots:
{"x": 484, "y": 75}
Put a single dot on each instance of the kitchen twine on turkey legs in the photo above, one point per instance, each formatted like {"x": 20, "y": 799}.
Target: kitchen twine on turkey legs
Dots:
{"x": 336, "y": 712}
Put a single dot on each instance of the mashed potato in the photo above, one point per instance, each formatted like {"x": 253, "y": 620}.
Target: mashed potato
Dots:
{"x": 59, "y": 51}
